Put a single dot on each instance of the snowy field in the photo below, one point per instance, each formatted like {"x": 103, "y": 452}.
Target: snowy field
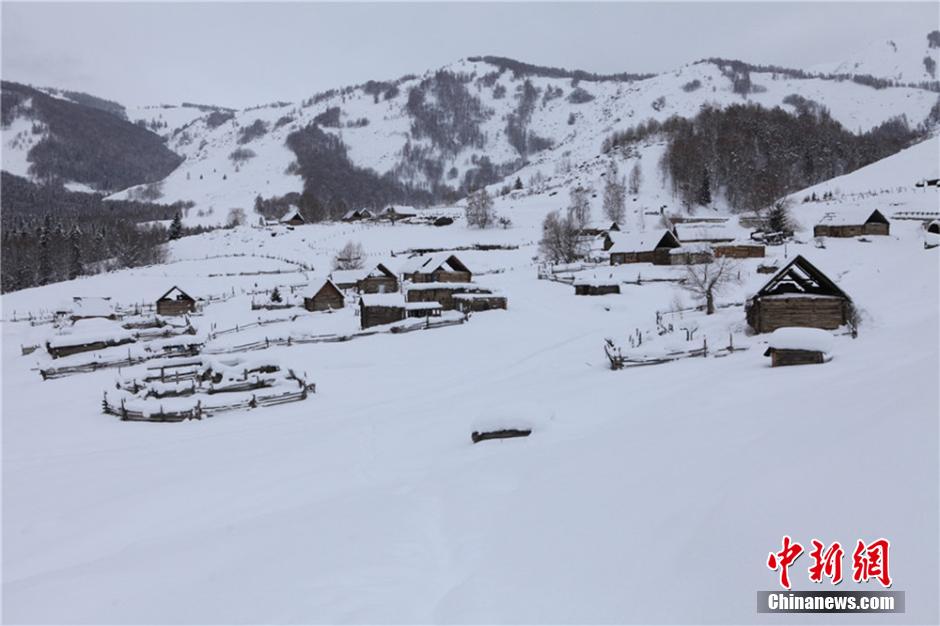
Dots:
{"x": 367, "y": 503}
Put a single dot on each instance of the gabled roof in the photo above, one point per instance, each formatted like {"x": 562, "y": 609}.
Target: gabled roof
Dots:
{"x": 642, "y": 242}
{"x": 329, "y": 285}
{"x": 379, "y": 269}
{"x": 177, "y": 294}
{"x": 291, "y": 213}
{"x": 799, "y": 276}
{"x": 433, "y": 262}
{"x": 853, "y": 217}
{"x": 347, "y": 277}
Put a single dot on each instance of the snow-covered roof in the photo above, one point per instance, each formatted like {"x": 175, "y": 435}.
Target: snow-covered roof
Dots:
{"x": 705, "y": 232}
{"x": 852, "y": 216}
{"x": 793, "y": 338}
{"x": 347, "y": 277}
{"x": 291, "y": 213}
{"x": 451, "y": 286}
{"x": 394, "y": 300}
{"x": 641, "y": 242}
{"x": 92, "y": 307}
{"x": 89, "y": 331}
{"x": 422, "y": 306}
{"x": 175, "y": 293}
{"x": 691, "y": 248}
{"x": 429, "y": 263}
{"x": 594, "y": 281}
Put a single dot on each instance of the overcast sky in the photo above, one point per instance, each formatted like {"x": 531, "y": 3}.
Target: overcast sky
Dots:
{"x": 240, "y": 54}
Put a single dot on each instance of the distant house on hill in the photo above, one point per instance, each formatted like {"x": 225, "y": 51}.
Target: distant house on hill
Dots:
{"x": 293, "y": 217}
{"x": 798, "y": 295}
{"x": 596, "y": 229}
{"x": 358, "y": 214}
{"x": 932, "y": 236}
{"x": 442, "y": 267}
{"x": 928, "y": 182}
{"x": 852, "y": 224}
{"x": 175, "y": 302}
{"x": 391, "y": 213}
{"x": 327, "y": 298}
{"x": 648, "y": 247}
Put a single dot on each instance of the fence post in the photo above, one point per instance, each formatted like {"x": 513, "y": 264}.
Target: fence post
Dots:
{"x": 704, "y": 346}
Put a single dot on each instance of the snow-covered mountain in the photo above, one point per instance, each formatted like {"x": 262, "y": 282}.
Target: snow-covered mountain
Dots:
{"x": 427, "y": 138}
{"x": 911, "y": 59}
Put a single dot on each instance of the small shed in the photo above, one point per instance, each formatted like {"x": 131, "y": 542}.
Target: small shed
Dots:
{"x": 376, "y": 309}
{"x": 442, "y": 267}
{"x": 798, "y": 346}
{"x": 175, "y": 302}
{"x": 423, "y": 309}
{"x": 293, "y": 217}
{"x": 852, "y": 224}
{"x": 329, "y": 297}
{"x": 86, "y": 335}
{"x": 595, "y": 286}
{"x": 651, "y": 247}
{"x": 798, "y": 295}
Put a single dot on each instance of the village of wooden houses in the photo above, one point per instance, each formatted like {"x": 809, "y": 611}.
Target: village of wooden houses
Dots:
{"x": 206, "y": 334}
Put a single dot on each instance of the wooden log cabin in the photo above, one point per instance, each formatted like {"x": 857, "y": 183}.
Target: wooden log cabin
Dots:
{"x": 329, "y": 297}
{"x": 651, "y": 247}
{"x": 293, "y": 217}
{"x": 87, "y": 335}
{"x": 852, "y": 224}
{"x": 798, "y": 295}
{"x": 175, "y": 302}
{"x": 376, "y": 309}
{"x": 690, "y": 254}
{"x": 442, "y": 267}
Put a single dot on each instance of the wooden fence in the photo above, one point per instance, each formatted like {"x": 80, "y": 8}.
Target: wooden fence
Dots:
{"x": 199, "y": 412}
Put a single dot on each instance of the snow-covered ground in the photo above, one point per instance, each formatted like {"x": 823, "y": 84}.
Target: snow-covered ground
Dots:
{"x": 646, "y": 495}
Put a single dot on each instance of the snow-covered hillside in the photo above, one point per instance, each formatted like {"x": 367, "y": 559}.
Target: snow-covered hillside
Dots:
{"x": 213, "y": 178}
{"x": 911, "y": 59}
{"x": 369, "y": 503}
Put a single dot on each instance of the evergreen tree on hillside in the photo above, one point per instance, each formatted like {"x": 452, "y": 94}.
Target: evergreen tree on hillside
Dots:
{"x": 45, "y": 254}
{"x": 705, "y": 190}
{"x": 778, "y": 218}
{"x": 75, "y": 254}
{"x": 518, "y": 184}
{"x": 176, "y": 227}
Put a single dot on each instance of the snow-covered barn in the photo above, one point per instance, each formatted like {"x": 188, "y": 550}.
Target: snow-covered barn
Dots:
{"x": 798, "y": 295}
{"x": 293, "y": 217}
{"x": 327, "y": 298}
{"x": 175, "y": 302}
{"x": 798, "y": 346}
{"x": 852, "y": 224}
{"x": 648, "y": 247}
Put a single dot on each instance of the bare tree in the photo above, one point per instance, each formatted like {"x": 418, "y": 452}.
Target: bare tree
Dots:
{"x": 614, "y": 194}
{"x": 350, "y": 257}
{"x": 636, "y": 179}
{"x": 479, "y": 210}
{"x": 579, "y": 210}
{"x": 706, "y": 280}
{"x": 561, "y": 241}
{"x": 236, "y": 217}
